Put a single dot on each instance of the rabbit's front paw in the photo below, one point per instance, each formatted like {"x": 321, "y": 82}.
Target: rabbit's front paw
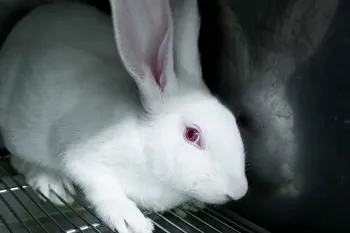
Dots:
{"x": 126, "y": 218}
{"x": 51, "y": 186}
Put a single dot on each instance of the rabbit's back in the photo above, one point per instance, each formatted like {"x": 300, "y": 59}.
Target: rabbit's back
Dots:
{"x": 61, "y": 79}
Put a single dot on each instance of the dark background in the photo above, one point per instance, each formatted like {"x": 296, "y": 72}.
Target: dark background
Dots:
{"x": 293, "y": 104}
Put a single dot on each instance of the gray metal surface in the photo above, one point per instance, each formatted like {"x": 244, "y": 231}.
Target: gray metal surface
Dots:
{"x": 22, "y": 211}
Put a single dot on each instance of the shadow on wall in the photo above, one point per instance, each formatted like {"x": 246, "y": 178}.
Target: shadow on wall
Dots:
{"x": 283, "y": 70}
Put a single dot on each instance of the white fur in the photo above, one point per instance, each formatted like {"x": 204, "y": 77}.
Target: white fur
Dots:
{"x": 70, "y": 111}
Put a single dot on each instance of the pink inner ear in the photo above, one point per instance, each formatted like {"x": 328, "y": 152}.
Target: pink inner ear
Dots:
{"x": 159, "y": 72}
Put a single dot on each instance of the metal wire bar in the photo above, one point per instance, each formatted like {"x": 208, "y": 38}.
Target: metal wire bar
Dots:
{"x": 60, "y": 212}
{"x": 205, "y": 220}
{"x": 32, "y": 199}
{"x": 170, "y": 222}
{"x": 42, "y": 209}
{"x": 218, "y": 220}
{"x": 88, "y": 210}
{"x": 62, "y": 200}
{"x": 57, "y": 209}
{"x": 13, "y": 189}
{"x": 160, "y": 227}
{"x": 15, "y": 214}
{"x": 215, "y": 212}
{"x": 24, "y": 207}
{"x": 183, "y": 220}
{"x": 242, "y": 222}
{"x": 5, "y": 224}
{"x": 83, "y": 228}
{"x": 3, "y": 157}
{"x": 93, "y": 214}
{"x": 208, "y": 225}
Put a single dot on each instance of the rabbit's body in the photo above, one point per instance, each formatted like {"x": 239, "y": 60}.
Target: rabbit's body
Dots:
{"x": 107, "y": 104}
{"x": 72, "y": 60}
{"x": 83, "y": 73}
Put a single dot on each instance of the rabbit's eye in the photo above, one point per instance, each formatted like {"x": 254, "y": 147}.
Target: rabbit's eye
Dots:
{"x": 192, "y": 135}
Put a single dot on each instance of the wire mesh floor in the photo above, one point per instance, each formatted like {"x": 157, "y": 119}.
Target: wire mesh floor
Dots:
{"x": 21, "y": 210}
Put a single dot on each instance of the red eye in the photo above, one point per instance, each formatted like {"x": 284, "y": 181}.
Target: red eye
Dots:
{"x": 193, "y": 136}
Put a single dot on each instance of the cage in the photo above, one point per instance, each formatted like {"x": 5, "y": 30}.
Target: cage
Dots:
{"x": 22, "y": 211}
{"x": 283, "y": 68}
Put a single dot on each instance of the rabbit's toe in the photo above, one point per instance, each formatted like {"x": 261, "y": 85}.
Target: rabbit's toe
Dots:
{"x": 53, "y": 187}
{"x": 125, "y": 217}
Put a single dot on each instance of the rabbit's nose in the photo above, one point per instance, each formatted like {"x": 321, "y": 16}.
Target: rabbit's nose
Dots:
{"x": 239, "y": 191}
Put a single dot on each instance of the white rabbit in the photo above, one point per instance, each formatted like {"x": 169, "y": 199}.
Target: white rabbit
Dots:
{"x": 134, "y": 129}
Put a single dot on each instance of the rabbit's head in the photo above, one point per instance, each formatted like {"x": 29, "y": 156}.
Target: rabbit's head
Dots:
{"x": 191, "y": 140}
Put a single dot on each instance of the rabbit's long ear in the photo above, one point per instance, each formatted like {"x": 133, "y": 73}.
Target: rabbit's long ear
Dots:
{"x": 144, "y": 35}
{"x": 187, "y": 25}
